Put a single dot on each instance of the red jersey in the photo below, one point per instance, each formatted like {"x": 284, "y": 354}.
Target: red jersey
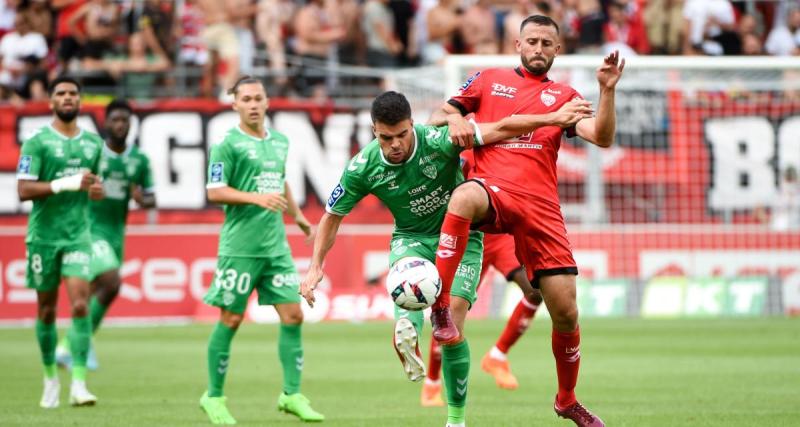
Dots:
{"x": 526, "y": 164}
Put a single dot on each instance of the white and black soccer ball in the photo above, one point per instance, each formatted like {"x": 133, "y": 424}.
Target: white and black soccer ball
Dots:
{"x": 413, "y": 283}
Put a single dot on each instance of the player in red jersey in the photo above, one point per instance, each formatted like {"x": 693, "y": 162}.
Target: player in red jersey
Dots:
{"x": 498, "y": 252}
{"x": 514, "y": 189}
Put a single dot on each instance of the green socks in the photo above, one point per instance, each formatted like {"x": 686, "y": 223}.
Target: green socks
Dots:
{"x": 79, "y": 340}
{"x": 290, "y": 352}
{"x": 96, "y": 312}
{"x": 219, "y": 347}
{"x": 417, "y": 318}
{"x": 455, "y": 369}
{"x": 47, "y": 335}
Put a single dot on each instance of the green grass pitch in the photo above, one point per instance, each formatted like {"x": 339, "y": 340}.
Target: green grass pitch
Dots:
{"x": 634, "y": 372}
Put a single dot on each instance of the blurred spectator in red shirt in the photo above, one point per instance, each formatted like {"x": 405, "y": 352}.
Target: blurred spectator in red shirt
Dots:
{"x": 624, "y": 30}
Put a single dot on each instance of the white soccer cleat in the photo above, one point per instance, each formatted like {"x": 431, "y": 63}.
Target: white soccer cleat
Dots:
{"x": 51, "y": 394}
{"x": 79, "y": 395}
{"x": 405, "y": 344}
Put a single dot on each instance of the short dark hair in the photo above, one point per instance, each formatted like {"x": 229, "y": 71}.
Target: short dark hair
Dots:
{"x": 243, "y": 81}
{"x": 539, "y": 20}
{"x": 118, "y": 104}
{"x": 62, "y": 79}
{"x": 390, "y": 108}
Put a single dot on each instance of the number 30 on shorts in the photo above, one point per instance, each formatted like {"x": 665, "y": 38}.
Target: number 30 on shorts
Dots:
{"x": 230, "y": 279}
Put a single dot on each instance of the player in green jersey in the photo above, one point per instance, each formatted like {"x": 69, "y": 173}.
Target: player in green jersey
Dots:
{"x": 57, "y": 170}
{"x": 125, "y": 172}
{"x": 247, "y": 174}
{"x": 413, "y": 169}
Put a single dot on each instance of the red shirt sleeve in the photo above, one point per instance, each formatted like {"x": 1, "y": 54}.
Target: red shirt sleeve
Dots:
{"x": 469, "y": 95}
{"x": 571, "y": 132}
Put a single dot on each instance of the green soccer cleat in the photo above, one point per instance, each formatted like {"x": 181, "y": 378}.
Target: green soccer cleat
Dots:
{"x": 216, "y": 410}
{"x": 299, "y": 405}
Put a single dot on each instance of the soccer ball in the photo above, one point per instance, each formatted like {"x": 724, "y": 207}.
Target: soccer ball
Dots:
{"x": 413, "y": 283}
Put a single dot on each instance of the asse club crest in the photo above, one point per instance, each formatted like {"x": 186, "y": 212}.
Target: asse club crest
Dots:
{"x": 430, "y": 171}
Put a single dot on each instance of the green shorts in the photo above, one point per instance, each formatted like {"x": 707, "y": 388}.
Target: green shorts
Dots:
{"x": 275, "y": 279}
{"x": 105, "y": 257}
{"x": 47, "y": 264}
{"x": 465, "y": 284}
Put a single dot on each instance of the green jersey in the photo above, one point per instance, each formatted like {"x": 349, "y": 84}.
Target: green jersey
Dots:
{"x": 119, "y": 171}
{"x": 416, "y": 191}
{"x": 252, "y": 165}
{"x": 62, "y": 218}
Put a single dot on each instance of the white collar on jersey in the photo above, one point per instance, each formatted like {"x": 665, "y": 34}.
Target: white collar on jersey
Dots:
{"x": 239, "y": 129}
{"x": 416, "y": 144}
{"x": 80, "y": 132}
{"x": 111, "y": 153}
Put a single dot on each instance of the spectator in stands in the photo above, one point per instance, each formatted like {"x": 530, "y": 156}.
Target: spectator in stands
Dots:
{"x": 624, "y": 32}
{"x": 188, "y": 28}
{"x": 21, "y": 55}
{"x": 272, "y": 22}
{"x": 479, "y": 29}
{"x": 351, "y": 46}
{"x": 590, "y": 26}
{"x": 40, "y": 17}
{"x": 443, "y": 24}
{"x": 154, "y": 20}
{"x": 664, "y": 22}
{"x": 317, "y": 28}
{"x": 569, "y": 25}
{"x": 67, "y": 45}
{"x": 220, "y": 40}
{"x": 710, "y": 28}
{"x": 377, "y": 23}
{"x": 8, "y": 11}
{"x": 243, "y": 14}
{"x": 519, "y": 11}
{"x": 101, "y": 19}
{"x": 784, "y": 213}
{"x": 403, "y": 13}
{"x": 137, "y": 71}
{"x": 752, "y": 45}
{"x": 784, "y": 39}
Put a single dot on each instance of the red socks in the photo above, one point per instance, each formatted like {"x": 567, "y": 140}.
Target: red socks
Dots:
{"x": 566, "y": 349}
{"x": 517, "y": 325}
{"x": 434, "y": 361}
{"x": 452, "y": 244}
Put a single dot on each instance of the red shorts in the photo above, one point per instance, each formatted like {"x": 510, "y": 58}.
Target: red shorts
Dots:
{"x": 498, "y": 252}
{"x": 540, "y": 236}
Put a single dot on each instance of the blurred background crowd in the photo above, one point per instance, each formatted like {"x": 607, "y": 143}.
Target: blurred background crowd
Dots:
{"x": 196, "y": 48}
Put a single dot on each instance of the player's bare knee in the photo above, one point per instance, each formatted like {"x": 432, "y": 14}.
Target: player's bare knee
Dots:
{"x": 47, "y": 313}
{"x": 468, "y": 200}
{"x": 564, "y": 318}
{"x": 291, "y": 314}
{"x": 231, "y": 320}
{"x": 80, "y": 308}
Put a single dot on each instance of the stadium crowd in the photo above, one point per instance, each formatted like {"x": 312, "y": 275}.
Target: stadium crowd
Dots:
{"x": 134, "y": 43}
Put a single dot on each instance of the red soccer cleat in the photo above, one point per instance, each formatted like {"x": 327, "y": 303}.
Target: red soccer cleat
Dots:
{"x": 444, "y": 330}
{"x": 578, "y": 414}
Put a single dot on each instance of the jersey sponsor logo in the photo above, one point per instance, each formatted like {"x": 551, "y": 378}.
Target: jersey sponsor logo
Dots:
{"x": 430, "y": 171}
{"x": 547, "y": 99}
{"x": 24, "y": 164}
{"x": 520, "y": 145}
{"x": 553, "y": 91}
{"x": 216, "y": 171}
{"x": 429, "y": 158}
{"x": 357, "y": 161}
{"x": 417, "y": 190}
{"x": 448, "y": 241}
{"x": 430, "y": 203}
{"x": 336, "y": 194}
{"x": 380, "y": 176}
{"x": 469, "y": 81}
{"x": 504, "y": 91}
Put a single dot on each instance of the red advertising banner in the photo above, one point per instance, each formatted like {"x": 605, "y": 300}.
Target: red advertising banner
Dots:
{"x": 167, "y": 269}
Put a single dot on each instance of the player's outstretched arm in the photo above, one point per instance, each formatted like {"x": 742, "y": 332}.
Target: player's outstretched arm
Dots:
{"x": 29, "y": 189}
{"x": 230, "y": 196}
{"x": 327, "y": 229}
{"x": 293, "y": 210}
{"x": 601, "y": 129}
{"x": 462, "y": 133}
{"x": 568, "y": 115}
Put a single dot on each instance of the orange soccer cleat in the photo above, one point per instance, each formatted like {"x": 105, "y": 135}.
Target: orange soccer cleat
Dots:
{"x": 501, "y": 372}
{"x": 431, "y": 394}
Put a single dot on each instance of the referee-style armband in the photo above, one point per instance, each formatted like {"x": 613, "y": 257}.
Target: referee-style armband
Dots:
{"x": 478, "y": 135}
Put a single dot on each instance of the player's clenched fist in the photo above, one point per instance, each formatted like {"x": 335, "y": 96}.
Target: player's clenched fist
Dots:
{"x": 272, "y": 201}
{"x": 310, "y": 282}
{"x": 462, "y": 133}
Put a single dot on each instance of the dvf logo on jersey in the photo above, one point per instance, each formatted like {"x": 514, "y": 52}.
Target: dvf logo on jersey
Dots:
{"x": 548, "y": 99}
{"x": 216, "y": 172}
{"x": 503, "y": 90}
